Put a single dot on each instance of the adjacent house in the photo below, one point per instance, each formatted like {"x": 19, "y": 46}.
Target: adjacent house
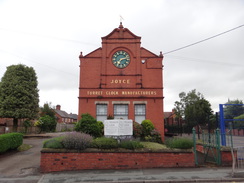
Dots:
{"x": 64, "y": 117}
{"x": 170, "y": 118}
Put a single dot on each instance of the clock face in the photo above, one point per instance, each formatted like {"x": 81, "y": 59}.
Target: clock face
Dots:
{"x": 121, "y": 59}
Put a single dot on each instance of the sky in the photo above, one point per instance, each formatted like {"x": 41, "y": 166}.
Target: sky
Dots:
{"x": 49, "y": 35}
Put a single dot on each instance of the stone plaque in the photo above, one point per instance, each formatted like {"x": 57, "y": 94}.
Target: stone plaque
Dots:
{"x": 118, "y": 127}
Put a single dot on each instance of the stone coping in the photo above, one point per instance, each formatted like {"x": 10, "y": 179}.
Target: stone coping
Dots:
{"x": 118, "y": 150}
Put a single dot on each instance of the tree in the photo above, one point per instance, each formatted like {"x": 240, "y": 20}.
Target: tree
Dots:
{"x": 193, "y": 108}
{"x": 19, "y": 96}
{"x": 231, "y": 111}
{"x": 238, "y": 124}
{"x": 47, "y": 121}
{"x": 47, "y": 110}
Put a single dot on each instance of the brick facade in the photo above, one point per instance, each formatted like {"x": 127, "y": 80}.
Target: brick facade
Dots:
{"x": 53, "y": 162}
{"x": 139, "y": 83}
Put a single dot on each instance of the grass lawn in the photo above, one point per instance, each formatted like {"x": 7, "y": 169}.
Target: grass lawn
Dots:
{"x": 153, "y": 145}
{"x": 24, "y": 147}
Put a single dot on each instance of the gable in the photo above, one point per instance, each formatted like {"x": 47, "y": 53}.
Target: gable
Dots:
{"x": 95, "y": 53}
{"x": 121, "y": 32}
{"x": 147, "y": 53}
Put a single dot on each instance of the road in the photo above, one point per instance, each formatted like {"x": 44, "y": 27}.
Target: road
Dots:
{"x": 15, "y": 164}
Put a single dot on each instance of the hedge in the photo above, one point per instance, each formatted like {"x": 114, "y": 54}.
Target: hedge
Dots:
{"x": 10, "y": 141}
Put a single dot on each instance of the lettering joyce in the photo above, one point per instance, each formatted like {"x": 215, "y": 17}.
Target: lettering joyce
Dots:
{"x": 120, "y": 81}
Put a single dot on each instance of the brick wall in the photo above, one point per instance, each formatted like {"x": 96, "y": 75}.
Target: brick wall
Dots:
{"x": 226, "y": 156}
{"x": 53, "y": 162}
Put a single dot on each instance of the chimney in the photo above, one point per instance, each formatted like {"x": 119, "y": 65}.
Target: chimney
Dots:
{"x": 58, "y": 107}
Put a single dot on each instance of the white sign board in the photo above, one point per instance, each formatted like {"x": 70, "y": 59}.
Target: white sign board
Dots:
{"x": 118, "y": 127}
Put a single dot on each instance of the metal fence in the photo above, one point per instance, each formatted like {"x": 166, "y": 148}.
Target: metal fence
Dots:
{"x": 238, "y": 162}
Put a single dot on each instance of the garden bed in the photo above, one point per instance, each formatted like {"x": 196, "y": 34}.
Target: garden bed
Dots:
{"x": 53, "y": 160}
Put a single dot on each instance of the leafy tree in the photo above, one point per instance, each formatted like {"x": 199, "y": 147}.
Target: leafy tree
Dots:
{"x": 19, "y": 96}
{"x": 239, "y": 117}
{"x": 239, "y": 124}
{"x": 47, "y": 110}
{"x": 46, "y": 124}
{"x": 47, "y": 121}
{"x": 193, "y": 108}
{"x": 231, "y": 111}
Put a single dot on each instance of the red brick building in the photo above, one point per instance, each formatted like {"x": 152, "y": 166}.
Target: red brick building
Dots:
{"x": 64, "y": 117}
{"x": 123, "y": 80}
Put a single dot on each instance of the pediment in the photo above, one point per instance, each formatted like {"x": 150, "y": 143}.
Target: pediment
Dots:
{"x": 121, "y": 32}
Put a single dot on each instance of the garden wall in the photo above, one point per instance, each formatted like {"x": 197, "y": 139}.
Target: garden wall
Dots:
{"x": 62, "y": 161}
{"x": 226, "y": 156}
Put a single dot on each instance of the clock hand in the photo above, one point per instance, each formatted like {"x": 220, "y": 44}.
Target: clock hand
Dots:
{"x": 121, "y": 59}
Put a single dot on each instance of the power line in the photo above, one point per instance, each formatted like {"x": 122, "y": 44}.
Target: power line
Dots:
{"x": 44, "y": 65}
{"x": 203, "y": 40}
{"x": 203, "y": 61}
{"x": 48, "y": 37}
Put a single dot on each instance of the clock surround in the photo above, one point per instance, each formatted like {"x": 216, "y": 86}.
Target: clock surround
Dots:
{"x": 121, "y": 59}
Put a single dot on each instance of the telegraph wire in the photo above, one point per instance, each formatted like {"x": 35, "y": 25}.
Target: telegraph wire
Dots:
{"x": 203, "y": 40}
{"x": 204, "y": 61}
{"x": 48, "y": 37}
{"x": 32, "y": 61}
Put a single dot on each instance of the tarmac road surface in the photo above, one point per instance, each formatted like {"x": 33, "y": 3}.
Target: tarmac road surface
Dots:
{"x": 15, "y": 164}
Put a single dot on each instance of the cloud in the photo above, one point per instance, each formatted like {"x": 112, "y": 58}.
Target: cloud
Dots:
{"x": 49, "y": 36}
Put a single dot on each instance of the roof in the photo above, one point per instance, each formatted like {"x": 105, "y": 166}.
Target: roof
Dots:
{"x": 168, "y": 114}
{"x": 62, "y": 113}
{"x": 73, "y": 116}
{"x": 121, "y": 32}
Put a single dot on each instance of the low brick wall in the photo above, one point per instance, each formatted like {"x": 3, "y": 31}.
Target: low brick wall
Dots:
{"x": 63, "y": 161}
{"x": 225, "y": 153}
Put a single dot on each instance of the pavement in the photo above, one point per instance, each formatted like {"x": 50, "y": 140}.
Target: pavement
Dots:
{"x": 23, "y": 167}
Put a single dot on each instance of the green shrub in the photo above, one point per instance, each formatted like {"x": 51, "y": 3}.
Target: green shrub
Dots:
{"x": 137, "y": 130}
{"x": 46, "y": 123}
{"x": 154, "y": 136}
{"x": 54, "y": 143}
{"x": 76, "y": 140}
{"x": 179, "y": 143}
{"x": 131, "y": 145}
{"x": 89, "y": 125}
{"x": 10, "y": 141}
{"x": 105, "y": 143}
{"x": 147, "y": 127}
{"x": 101, "y": 127}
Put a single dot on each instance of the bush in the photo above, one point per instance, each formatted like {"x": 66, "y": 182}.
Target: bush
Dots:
{"x": 54, "y": 143}
{"x": 105, "y": 143}
{"x": 137, "y": 130}
{"x": 76, "y": 140}
{"x": 89, "y": 125}
{"x": 131, "y": 145}
{"x": 10, "y": 141}
{"x": 179, "y": 143}
{"x": 147, "y": 127}
{"x": 154, "y": 136}
{"x": 46, "y": 124}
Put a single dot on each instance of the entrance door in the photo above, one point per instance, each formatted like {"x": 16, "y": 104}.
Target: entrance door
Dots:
{"x": 120, "y": 111}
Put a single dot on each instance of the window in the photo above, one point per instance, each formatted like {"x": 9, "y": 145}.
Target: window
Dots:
{"x": 120, "y": 111}
{"x": 140, "y": 112}
{"x": 102, "y": 112}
